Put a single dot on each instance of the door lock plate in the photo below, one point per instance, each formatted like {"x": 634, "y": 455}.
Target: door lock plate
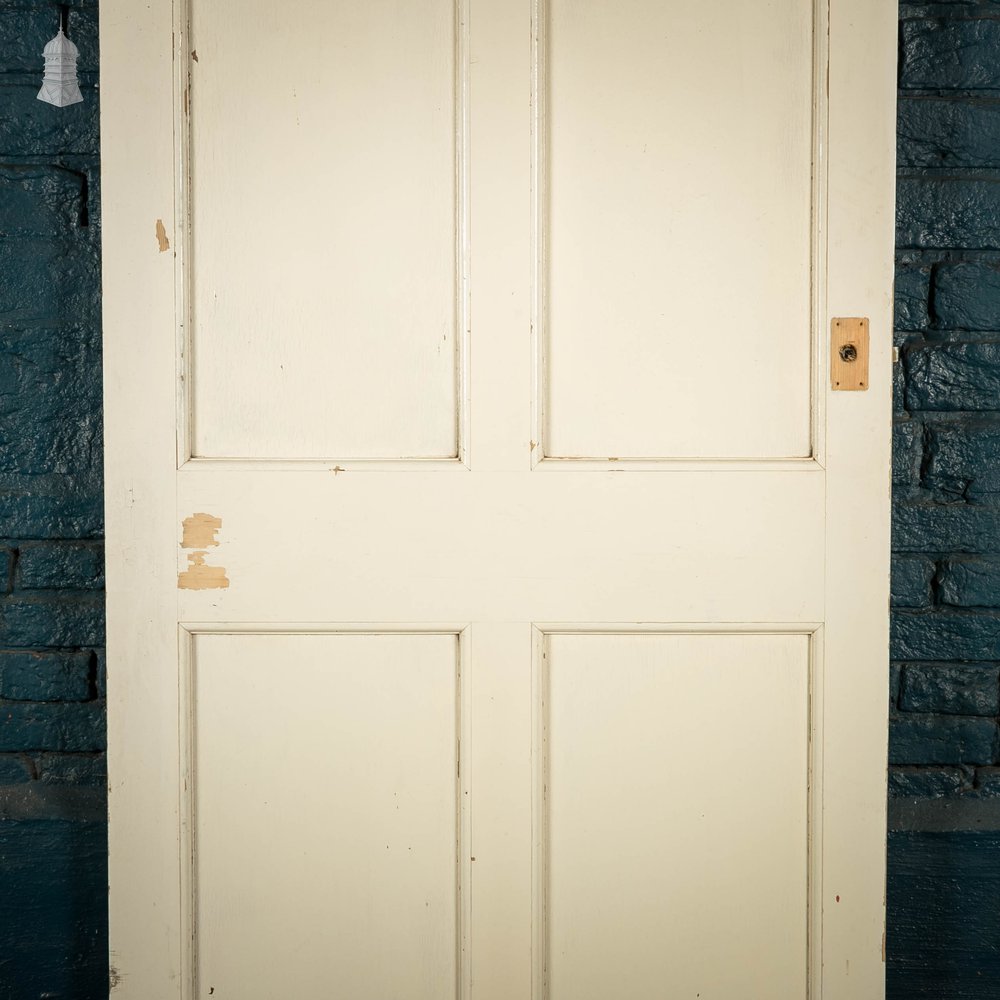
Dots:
{"x": 849, "y": 354}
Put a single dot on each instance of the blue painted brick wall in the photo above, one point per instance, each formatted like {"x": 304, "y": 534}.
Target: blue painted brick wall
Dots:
{"x": 946, "y": 570}
{"x": 53, "y": 841}
{"x": 944, "y": 848}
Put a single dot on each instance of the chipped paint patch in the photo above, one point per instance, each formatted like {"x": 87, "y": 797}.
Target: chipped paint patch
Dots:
{"x": 198, "y": 576}
{"x": 199, "y": 531}
{"x": 161, "y": 236}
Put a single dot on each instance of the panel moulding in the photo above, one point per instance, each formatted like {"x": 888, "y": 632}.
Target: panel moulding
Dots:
{"x": 187, "y": 819}
{"x": 540, "y": 687}
{"x": 540, "y": 268}
{"x": 185, "y": 56}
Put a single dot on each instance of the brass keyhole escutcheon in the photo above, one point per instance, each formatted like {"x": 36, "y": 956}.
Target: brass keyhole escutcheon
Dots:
{"x": 848, "y": 353}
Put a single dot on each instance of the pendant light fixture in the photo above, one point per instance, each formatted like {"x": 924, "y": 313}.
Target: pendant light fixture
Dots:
{"x": 60, "y": 85}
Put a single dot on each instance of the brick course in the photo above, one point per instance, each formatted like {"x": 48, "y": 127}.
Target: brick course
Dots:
{"x": 953, "y": 53}
{"x": 951, "y": 689}
{"x": 948, "y": 132}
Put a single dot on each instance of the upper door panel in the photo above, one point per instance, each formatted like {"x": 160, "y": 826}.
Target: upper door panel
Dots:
{"x": 322, "y": 281}
{"x": 676, "y": 226}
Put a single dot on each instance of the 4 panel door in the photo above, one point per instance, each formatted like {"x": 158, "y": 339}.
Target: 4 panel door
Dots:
{"x": 497, "y": 589}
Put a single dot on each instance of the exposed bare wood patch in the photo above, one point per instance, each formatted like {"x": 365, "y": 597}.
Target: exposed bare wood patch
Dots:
{"x": 199, "y": 531}
{"x": 198, "y": 576}
{"x": 161, "y": 236}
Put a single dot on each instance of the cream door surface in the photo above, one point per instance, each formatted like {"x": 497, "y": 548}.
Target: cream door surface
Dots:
{"x": 496, "y": 588}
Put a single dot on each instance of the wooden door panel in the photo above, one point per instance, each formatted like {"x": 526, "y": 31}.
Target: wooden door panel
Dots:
{"x": 677, "y": 221}
{"x": 324, "y": 816}
{"x": 676, "y": 815}
{"x": 322, "y": 279}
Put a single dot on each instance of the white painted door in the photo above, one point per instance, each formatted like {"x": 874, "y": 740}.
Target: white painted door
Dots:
{"x": 497, "y": 586}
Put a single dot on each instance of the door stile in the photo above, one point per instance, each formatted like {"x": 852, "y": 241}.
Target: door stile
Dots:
{"x": 856, "y": 641}
{"x": 137, "y": 94}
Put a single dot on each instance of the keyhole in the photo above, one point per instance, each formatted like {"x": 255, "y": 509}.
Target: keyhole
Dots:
{"x": 848, "y": 353}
